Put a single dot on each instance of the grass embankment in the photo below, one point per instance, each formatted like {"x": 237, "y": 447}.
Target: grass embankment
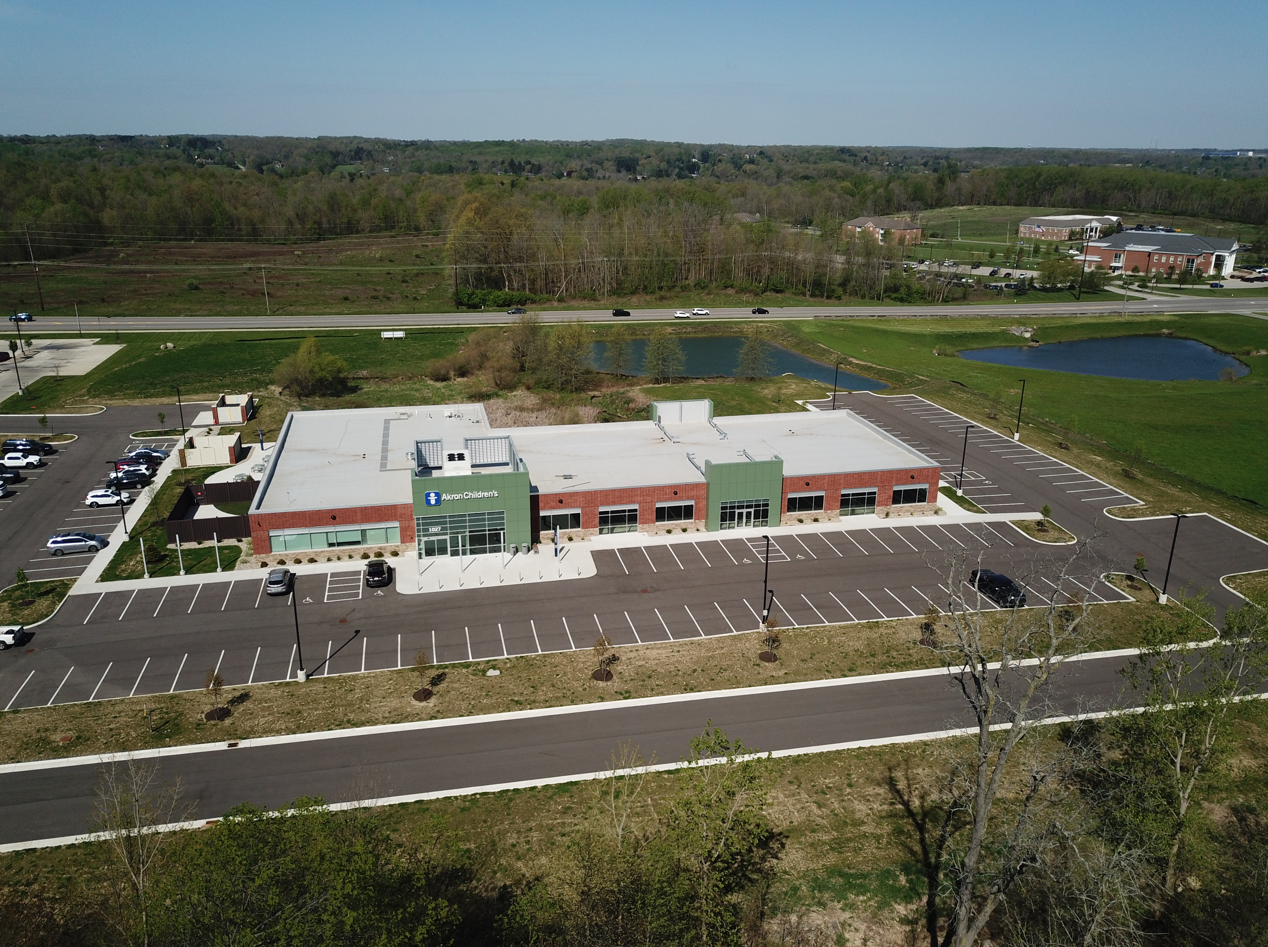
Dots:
{"x": 1191, "y": 445}
{"x": 550, "y": 680}
{"x": 958, "y": 498}
{"x": 33, "y": 601}
{"x": 126, "y": 563}
{"x": 1253, "y": 585}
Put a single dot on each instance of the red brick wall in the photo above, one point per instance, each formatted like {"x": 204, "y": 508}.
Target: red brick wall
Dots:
{"x": 261, "y": 523}
{"x": 1149, "y": 263}
{"x": 883, "y": 480}
{"x": 646, "y": 498}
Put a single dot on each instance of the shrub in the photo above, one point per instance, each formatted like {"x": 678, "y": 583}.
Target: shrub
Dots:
{"x": 312, "y": 372}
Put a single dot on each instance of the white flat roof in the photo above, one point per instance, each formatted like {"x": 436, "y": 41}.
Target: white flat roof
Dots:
{"x": 364, "y": 456}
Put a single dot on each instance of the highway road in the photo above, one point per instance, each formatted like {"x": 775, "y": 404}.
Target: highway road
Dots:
{"x": 492, "y": 317}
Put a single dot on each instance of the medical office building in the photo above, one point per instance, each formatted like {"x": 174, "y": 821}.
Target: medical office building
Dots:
{"x": 442, "y": 478}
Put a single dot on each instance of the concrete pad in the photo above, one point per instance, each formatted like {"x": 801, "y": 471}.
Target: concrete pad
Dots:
{"x": 53, "y": 357}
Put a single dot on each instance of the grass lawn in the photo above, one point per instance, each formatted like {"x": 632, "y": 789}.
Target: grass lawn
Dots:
{"x": 32, "y": 602}
{"x": 1211, "y": 432}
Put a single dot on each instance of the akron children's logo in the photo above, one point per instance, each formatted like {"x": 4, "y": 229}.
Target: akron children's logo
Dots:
{"x": 431, "y": 498}
{"x": 469, "y": 495}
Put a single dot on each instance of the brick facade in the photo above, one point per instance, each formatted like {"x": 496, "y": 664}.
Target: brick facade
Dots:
{"x": 907, "y": 234}
{"x": 883, "y": 480}
{"x": 646, "y": 498}
{"x": 347, "y": 517}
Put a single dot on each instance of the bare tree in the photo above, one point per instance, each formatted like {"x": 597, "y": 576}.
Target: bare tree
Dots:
{"x": 133, "y": 813}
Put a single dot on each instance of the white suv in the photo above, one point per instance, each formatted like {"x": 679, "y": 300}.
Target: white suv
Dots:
{"x": 108, "y": 497}
{"x": 699, "y": 312}
{"x": 20, "y": 458}
{"x": 11, "y": 635}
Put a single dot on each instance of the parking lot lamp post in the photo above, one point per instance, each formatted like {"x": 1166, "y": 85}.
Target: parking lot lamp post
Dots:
{"x": 118, "y": 492}
{"x": 768, "y": 594}
{"x": 1162, "y": 598}
{"x": 835, "y": 373}
{"x": 181, "y": 408}
{"x": 145, "y": 566}
{"x": 959, "y": 484}
{"x": 1020, "y": 402}
{"x": 300, "y": 675}
{"x": 16, "y": 371}
{"x": 180, "y": 559}
{"x": 215, "y": 541}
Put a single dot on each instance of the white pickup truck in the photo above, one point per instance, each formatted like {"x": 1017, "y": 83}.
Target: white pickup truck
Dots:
{"x": 10, "y": 635}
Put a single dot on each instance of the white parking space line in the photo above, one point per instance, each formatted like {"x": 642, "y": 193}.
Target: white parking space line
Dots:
{"x": 1112, "y": 496}
{"x": 952, "y": 538}
{"x": 632, "y": 628}
{"x": 251, "y": 678}
{"x": 366, "y": 640}
{"x": 816, "y": 611}
{"x": 830, "y": 546}
{"x": 572, "y": 644}
{"x": 663, "y": 625}
{"x": 727, "y": 551}
{"x": 873, "y": 604}
{"x": 723, "y": 614}
{"x": 878, "y": 539}
{"x": 847, "y": 535}
{"x": 675, "y": 555}
{"x": 172, "y": 689}
{"x": 138, "y": 677}
{"x": 902, "y": 603}
{"x": 227, "y": 594}
{"x": 343, "y": 587}
{"x": 694, "y": 622}
{"x": 922, "y": 533}
{"x": 294, "y": 646}
{"x": 533, "y": 625}
{"x": 59, "y": 688}
{"x": 100, "y": 682}
{"x": 500, "y": 635}
{"x": 805, "y": 547}
{"x": 702, "y": 556}
{"x": 218, "y": 662}
{"x": 597, "y": 624}
{"x": 162, "y": 600}
{"x": 257, "y": 594}
{"x": 19, "y": 690}
{"x": 195, "y": 598}
{"x": 997, "y": 533}
{"x": 94, "y": 607}
{"x": 1033, "y": 592}
{"x": 325, "y": 671}
{"x": 621, "y": 561}
{"x": 758, "y": 618}
{"x": 648, "y": 556}
{"x": 898, "y": 533}
{"x": 842, "y": 604}
{"x": 129, "y": 605}
{"x": 924, "y": 596}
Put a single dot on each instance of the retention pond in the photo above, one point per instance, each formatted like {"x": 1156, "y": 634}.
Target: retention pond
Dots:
{"x": 1142, "y": 357}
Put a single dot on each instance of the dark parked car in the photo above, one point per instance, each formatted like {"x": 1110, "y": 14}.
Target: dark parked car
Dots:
{"x": 620, "y": 312}
{"x": 278, "y": 582}
{"x": 10, "y": 476}
{"x": 995, "y": 272}
{"x": 998, "y": 587}
{"x": 129, "y": 478}
{"x": 377, "y": 574}
{"x": 759, "y": 311}
{"x": 516, "y": 311}
{"x": 27, "y": 445}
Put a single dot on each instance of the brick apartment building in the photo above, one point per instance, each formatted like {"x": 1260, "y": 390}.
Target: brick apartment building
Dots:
{"x": 900, "y": 231}
{"x": 1065, "y": 227}
{"x": 1167, "y": 253}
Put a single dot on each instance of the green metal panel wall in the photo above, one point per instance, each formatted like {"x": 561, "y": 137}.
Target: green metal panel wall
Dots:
{"x": 746, "y": 480}
{"x": 512, "y": 496}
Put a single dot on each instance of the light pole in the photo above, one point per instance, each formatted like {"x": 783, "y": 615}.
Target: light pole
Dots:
{"x": 959, "y": 485}
{"x": 16, "y": 353}
{"x": 1162, "y": 598}
{"x": 118, "y": 492}
{"x": 1020, "y": 402}
{"x": 835, "y": 374}
{"x": 300, "y": 675}
{"x": 768, "y": 594}
{"x": 180, "y": 407}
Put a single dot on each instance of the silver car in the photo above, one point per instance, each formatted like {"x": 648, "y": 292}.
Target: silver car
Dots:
{"x": 63, "y": 543}
{"x": 278, "y": 582}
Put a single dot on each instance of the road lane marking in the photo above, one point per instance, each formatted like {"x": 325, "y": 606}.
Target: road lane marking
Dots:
{"x": 902, "y": 603}
{"x": 164, "y": 599}
{"x": 195, "y": 598}
{"x": 621, "y": 561}
{"x": 830, "y": 546}
{"x": 129, "y": 605}
{"x": 251, "y": 679}
{"x": 19, "y": 690}
{"x": 138, "y": 677}
{"x": 537, "y": 642}
{"x": 649, "y": 559}
{"x": 100, "y": 682}
{"x": 500, "y": 635}
{"x": 816, "y": 611}
{"x": 670, "y": 547}
{"x": 632, "y": 628}
{"x": 842, "y": 604}
{"x": 227, "y": 594}
{"x": 847, "y": 535}
{"x": 663, "y": 625}
{"x": 723, "y": 614}
{"x": 257, "y": 594}
{"x": 873, "y": 604}
{"x": 59, "y": 687}
{"x": 702, "y": 556}
{"x": 878, "y": 539}
{"x": 172, "y": 689}
{"x": 94, "y": 608}
{"x": 694, "y": 622}
{"x": 572, "y": 644}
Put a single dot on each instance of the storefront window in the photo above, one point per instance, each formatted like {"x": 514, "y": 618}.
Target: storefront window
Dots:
{"x": 676, "y": 512}
{"x": 302, "y": 540}
{"x": 858, "y": 502}
{"x": 618, "y": 519}
{"x": 561, "y": 520}
{"x": 805, "y": 502}
{"x": 904, "y": 495}
{"x": 742, "y": 514}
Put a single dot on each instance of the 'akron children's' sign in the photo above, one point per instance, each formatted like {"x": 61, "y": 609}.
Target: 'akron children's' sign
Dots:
{"x": 434, "y": 498}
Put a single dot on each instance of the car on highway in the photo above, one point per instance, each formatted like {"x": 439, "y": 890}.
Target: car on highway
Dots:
{"x": 682, "y": 314}
{"x": 378, "y": 574}
{"x": 63, "y": 543}
{"x": 10, "y": 476}
{"x": 998, "y": 587}
{"x": 107, "y": 498}
{"x": 28, "y": 445}
{"x": 20, "y": 458}
{"x": 995, "y": 272}
{"x": 699, "y": 312}
{"x": 516, "y": 311}
{"x": 21, "y": 317}
{"x": 11, "y": 635}
{"x": 974, "y": 265}
{"x": 759, "y": 311}
{"x": 1217, "y": 286}
{"x": 278, "y": 582}
{"x": 620, "y": 312}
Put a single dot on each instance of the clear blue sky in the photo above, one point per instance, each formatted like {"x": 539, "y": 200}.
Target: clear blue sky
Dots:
{"x": 1077, "y": 74}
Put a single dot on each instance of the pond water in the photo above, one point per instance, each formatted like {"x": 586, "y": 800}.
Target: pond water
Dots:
{"x": 712, "y": 357}
{"x": 1143, "y": 357}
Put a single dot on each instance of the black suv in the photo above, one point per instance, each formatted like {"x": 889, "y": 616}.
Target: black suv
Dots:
{"x": 27, "y": 446}
{"x": 620, "y": 312}
{"x": 129, "y": 478}
{"x": 377, "y": 574}
{"x": 10, "y": 476}
{"x": 998, "y": 587}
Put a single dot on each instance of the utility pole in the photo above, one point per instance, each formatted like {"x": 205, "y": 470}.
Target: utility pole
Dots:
{"x": 835, "y": 373}
{"x": 78, "y": 327}
{"x": 267, "y": 309}
{"x": 1082, "y": 265}
{"x": 35, "y": 266}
